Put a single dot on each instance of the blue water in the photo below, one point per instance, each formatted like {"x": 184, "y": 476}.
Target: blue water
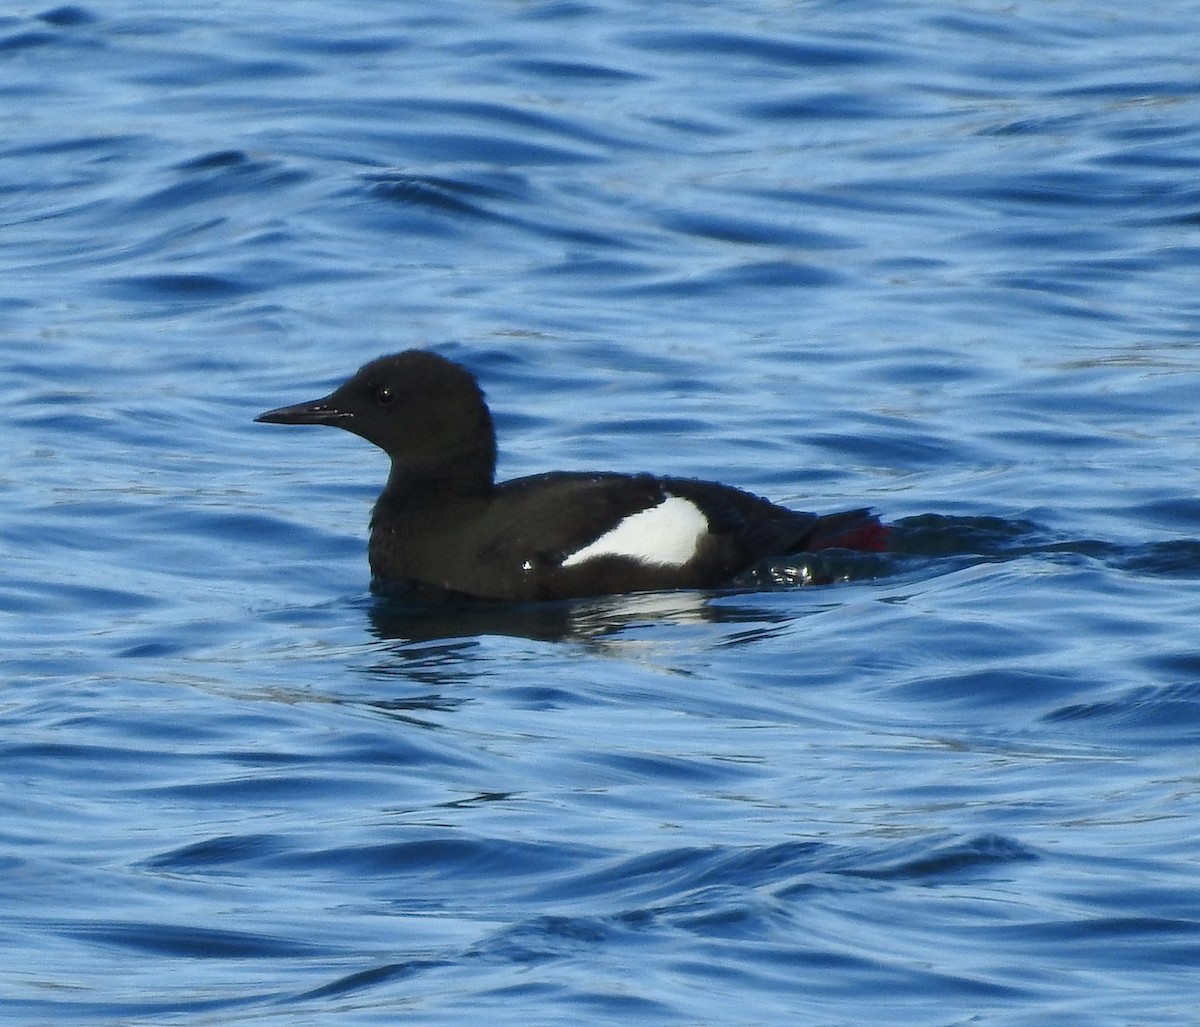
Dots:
{"x": 938, "y": 258}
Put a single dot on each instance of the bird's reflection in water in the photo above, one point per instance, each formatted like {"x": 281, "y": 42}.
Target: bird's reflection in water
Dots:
{"x": 447, "y": 649}
{"x": 414, "y": 620}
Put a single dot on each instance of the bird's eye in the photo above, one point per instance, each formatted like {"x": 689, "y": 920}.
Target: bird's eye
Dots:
{"x": 384, "y": 396}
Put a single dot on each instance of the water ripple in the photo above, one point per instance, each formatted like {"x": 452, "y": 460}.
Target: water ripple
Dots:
{"x": 935, "y": 260}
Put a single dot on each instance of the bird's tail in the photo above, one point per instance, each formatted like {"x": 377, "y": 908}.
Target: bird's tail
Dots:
{"x": 852, "y": 529}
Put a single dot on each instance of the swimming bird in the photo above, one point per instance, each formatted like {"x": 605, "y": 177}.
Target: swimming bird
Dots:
{"x": 444, "y": 527}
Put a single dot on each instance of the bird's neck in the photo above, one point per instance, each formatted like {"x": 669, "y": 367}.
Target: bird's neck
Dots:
{"x": 467, "y": 476}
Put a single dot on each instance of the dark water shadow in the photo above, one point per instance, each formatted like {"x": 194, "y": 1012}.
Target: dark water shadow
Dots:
{"x": 931, "y": 538}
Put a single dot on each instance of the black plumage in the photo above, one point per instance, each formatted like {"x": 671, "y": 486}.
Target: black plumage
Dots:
{"x": 443, "y": 525}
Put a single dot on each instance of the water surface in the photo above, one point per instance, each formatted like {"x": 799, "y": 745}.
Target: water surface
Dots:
{"x": 937, "y": 258}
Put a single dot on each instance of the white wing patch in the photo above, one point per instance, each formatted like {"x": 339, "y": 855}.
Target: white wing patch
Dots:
{"x": 666, "y": 535}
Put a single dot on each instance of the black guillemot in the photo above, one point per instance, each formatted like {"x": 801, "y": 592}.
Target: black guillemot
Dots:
{"x": 442, "y": 526}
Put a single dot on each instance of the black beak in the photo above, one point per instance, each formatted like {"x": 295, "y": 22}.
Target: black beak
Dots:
{"x": 319, "y": 411}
